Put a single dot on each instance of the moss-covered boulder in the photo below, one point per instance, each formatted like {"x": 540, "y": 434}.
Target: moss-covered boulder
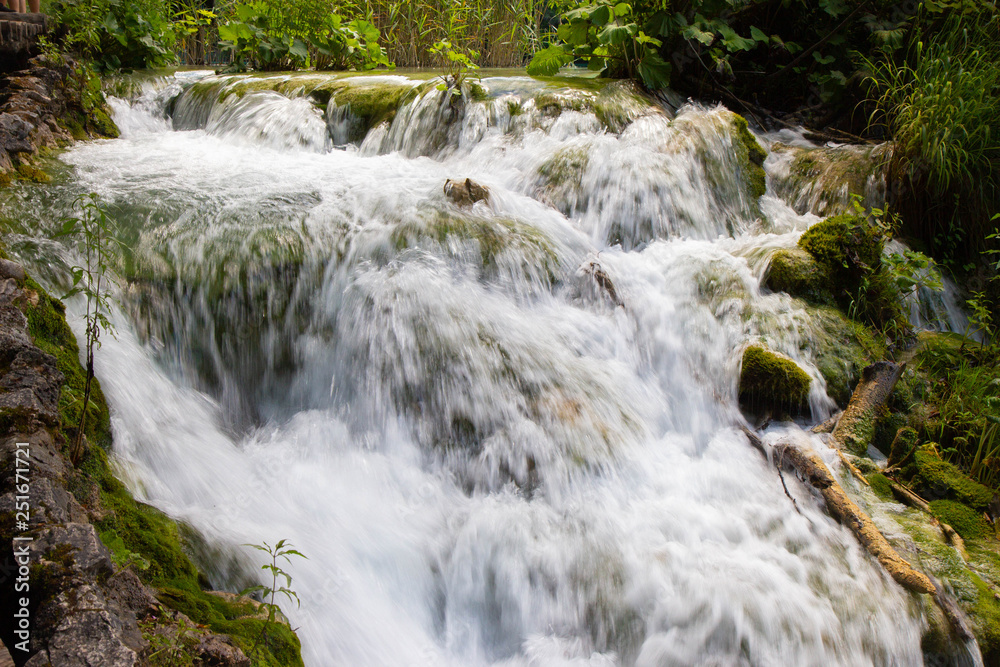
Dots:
{"x": 794, "y": 271}
{"x": 936, "y": 479}
{"x": 842, "y": 244}
{"x": 849, "y": 249}
{"x": 772, "y": 383}
{"x": 822, "y": 180}
{"x": 751, "y": 156}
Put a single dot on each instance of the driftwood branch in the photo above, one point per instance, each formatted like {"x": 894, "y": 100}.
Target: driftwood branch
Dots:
{"x": 811, "y": 467}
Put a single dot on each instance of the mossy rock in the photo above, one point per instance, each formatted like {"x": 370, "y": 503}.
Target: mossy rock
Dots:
{"x": 371, "y": 105}
{"x": 794, "y": 271}
{"x": 772, "y": 383}
{"x": 751, "y": 156}
{"x": 51, "y": 333}
{"x": 849, "y": 250}
{"x": 966, "y": 521}
{"x": 29, "y": 172}
{"x": 906, "y": 439}
{"x": 842, "y": 244}
{"x": 842, "y": 349}
{"x": 132, "y": 529}
{"x": 822, "y": 180}
{"x": 936, "y": 479}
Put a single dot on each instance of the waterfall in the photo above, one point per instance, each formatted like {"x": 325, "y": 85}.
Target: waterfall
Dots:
{"x": 486, "y": 459}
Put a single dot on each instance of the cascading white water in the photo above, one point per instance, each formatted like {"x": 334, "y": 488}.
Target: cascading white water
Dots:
{"x": 486, "y": 461}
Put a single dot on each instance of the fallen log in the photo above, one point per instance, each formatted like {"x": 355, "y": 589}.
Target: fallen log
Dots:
{"x": 811, "y": 467}
{"x": 856, "y": 427}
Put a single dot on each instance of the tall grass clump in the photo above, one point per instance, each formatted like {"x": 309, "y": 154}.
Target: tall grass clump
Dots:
{"x": 941, "y": 106}
{"x": 502, "y": 32}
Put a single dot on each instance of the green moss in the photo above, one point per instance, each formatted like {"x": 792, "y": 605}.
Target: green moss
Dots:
{"x": 751, "y": 155}
{"x": 880, "y": 485}
{"x": 6, "y": 178}
{"x": 986, "y": 621}
{"x": 935, "y": 478}
{"x": 769, "y": 382}
{"x": 906, "y": 438}
{"x": 50, "y": 332}
{"x": 849, "y": 250}
{"x": 967, "y": 522}
{"x": 795, "y": 272}
{"x": 842, "y": 244}
{"x": 31, "y": 173}
{"x": 477, "y": 93}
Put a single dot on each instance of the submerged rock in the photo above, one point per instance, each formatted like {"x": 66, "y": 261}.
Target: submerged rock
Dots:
{"x": 772, "y": 383}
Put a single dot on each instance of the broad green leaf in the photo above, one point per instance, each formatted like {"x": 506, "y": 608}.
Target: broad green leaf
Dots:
{"x": 758, "y": 35}
{"x": 573, "y": 32}
{"x": 654, "y": 70}
{"x": 693, "y": 32}
{"x": 732, "y": 41}
{"x": 617, "y": 34}
{"x": 601, "y": 15}
{"x": 548, "y": 61}
{"x": 597, "y": 64}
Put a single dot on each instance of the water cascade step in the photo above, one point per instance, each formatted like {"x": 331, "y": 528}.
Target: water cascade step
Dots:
{"x": 505, "y": 432}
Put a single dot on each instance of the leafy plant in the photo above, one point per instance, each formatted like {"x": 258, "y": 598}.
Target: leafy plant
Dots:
{"x": 115, "y": 34}
{"x": 96, "y": 241}
{"x": 941, "y": 105}
{"x": 262, "y": 35}
{"x": 610, "y": 37}
{"x": 281, "y": 550}
{"x": 458, "y": 66}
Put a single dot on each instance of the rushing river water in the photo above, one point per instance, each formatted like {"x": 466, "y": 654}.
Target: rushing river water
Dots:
{"x": 485, "y": 459}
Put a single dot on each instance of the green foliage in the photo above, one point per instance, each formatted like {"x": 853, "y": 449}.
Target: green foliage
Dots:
{"x": 502, "y": 33}
{"x": 941, "y": 104}
{"x": 268, "y": 35}
{"x": 612, "y": 37}
{"x": 457, "y": 66}
{"x": 115, "y": 34}
{"x": 966, "y": 394}
{"x": 880, "y": 485}
{"x": 769, "y": 382}
{"x": 97, "y": 243}
{"x": 281, "y": 550}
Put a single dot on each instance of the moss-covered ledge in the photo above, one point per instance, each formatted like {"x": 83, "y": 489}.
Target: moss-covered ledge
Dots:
{"x": 144, "y": 583}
